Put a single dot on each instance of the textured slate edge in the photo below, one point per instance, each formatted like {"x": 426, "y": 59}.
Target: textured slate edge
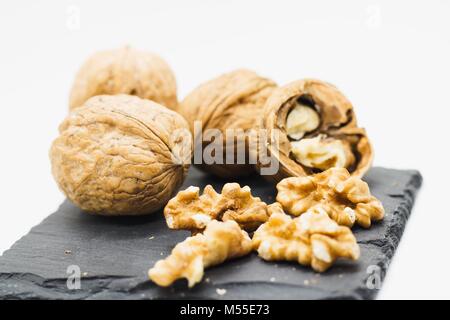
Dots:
{"x": 396, "y": 229}
{"x": 31, "y": 286}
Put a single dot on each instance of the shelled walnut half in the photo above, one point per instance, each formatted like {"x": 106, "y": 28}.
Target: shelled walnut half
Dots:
{"x": 313, "y": 239}
{"x": 191, "y": 211}
{"x": 312, "y": 127}
{"x": 219, "y": 242}
{"x": 226, "y": 108}
{"x": 345, "y": 198}
{"x": 125, "y": 71}
{"x": 121, "y": 155}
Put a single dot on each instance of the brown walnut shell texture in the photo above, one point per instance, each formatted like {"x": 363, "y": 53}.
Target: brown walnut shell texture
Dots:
{"x": 338, "y": 120}
{"x": 125, "y": 71}
{"x": 233, "y": 100}
{"x": 117, "y": 155}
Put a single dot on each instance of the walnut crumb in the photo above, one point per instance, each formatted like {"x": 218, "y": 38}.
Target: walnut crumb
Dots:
{"x": 221, "y": 292}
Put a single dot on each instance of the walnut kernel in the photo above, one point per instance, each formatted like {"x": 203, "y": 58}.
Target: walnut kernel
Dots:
{"x": 300, "y": 120}
{"x": 323, "y": 153}
{"x": 345, "y": 198}
{"x": 191, "y": 211}
{"x": 119, "y": 155}
{"x": 311, "y": 239}
{"x": 125, "y": 71}
{"x": 219, "y": 242}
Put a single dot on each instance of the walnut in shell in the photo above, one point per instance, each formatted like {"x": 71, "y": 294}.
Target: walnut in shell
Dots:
{"x": 121, "y": 155}
{"x": 345, "y": 198}
{"x": 233, "y": 102}
{"x": 191, "y": 211}
{"x": 125, "y": 71}
{"x": 312, "y": 127}
{"x": 313, "y": 239}
{"x": 219, "y": 242}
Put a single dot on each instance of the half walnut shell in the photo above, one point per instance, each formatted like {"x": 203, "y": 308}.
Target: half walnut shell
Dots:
{"x": 311, "y": 127}
{"x": 234, "y": 102}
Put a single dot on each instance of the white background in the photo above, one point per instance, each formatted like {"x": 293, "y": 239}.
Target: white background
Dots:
{"x": 391, "y": 58}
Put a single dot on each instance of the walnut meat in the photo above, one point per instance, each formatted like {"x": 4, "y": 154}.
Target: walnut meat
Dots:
{"x": 312, "y": 127}
{"x": 312, "y": 239}
{"x": 191, "y": 211}
{"x": 323, "y": 153}
{"x": 125, "y": 71}
{"x": 219, "y": 242}
{"x": 345, "y": 198}
{"x": 233, "y": 101}
{"x": 121, "y": 155}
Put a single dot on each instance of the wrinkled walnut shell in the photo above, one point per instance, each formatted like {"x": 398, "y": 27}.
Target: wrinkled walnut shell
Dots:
{"x": 121, "y": 155}
{"x": 232, "y": 101}
{"x": 337, "y": 121}
{"x": 125, "y": 71}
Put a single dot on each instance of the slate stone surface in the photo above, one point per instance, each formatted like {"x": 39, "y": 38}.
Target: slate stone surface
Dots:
{"x": 114, "y": 254}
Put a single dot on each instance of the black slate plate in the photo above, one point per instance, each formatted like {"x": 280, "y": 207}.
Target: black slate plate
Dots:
{"x": 114, "y": 254}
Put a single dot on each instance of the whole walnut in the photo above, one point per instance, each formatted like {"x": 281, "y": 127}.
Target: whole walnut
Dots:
{"x": 125, "y": 71}
{"x": 311, "y": 127}
{"x": 121, "y": 155}
{"x": 233, "y": 101}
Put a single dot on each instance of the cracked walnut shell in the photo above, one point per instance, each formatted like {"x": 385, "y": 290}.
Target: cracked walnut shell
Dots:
{"x": 312, "y": 239}
{"x": 232, "y": 101}
{"x": 121, "y": 155}
{"x": 345, "y": 198}
{"x": 219, "y": 242}
{"x": 191, "y": 211}
{"x": 311, "y": 127}
{"x": 125, "y": 71}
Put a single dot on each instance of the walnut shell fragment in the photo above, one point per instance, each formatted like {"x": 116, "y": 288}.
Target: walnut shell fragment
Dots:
{"x": 311, "y": 127}
{"x": 345, "y": 198}
{"x": 191, "y": 211}
{"x": 219, "y": 242}
{"x": 312, "y": 239}
{"x": 121, "y": 155}
{"x": 233, "y": 102}
{"x": 125, "y": 71}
